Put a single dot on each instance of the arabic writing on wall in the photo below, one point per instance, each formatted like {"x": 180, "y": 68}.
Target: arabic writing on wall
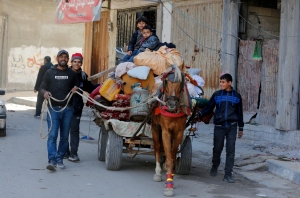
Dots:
{"x": 25, "y": 62}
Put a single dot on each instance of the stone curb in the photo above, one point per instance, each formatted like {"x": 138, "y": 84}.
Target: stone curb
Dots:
{"x": 22, "y": 101}
{"x": 286, "y": 170}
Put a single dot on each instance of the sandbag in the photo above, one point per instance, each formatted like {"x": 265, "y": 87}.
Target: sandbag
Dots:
{"x": 155, "y": 61}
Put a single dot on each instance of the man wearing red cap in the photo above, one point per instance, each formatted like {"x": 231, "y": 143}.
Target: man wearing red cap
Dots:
{"x": 85, "y": 85}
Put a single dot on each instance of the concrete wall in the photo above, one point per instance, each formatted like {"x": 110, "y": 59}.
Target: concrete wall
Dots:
{"x": 166, "y": 23}
{"x": 32, "y": 34}
{"x": 271, "y": 135}
{"x": 120, "y": 5}
{"x": 270, "y": 21}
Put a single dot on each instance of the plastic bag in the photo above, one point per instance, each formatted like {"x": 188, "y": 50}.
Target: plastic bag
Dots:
{"x": 172, "y": 56}
{"x": 140, "y": 72}
{"x": 155, "y": 61}
{"x": 191, "y": 89}
{"x": 122, "y": 68}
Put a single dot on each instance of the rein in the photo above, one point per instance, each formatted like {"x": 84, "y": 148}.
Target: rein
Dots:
{"x": 88, "y": 98}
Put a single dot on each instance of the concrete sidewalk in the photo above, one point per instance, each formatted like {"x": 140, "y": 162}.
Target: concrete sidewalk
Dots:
{"x": 252, "y": 154}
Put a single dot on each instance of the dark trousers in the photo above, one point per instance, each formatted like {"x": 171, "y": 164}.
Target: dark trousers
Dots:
{"x": 220, "y": 133}
{"x": 39, "y": 103}
{"x": 74, "y": 134}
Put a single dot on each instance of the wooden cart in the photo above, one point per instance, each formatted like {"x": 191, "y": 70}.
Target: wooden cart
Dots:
{"x": 111, "y": 146}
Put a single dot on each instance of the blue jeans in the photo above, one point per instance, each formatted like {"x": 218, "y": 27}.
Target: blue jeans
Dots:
{"x": 60, "y": 121}
{"x": 128, "y": 58}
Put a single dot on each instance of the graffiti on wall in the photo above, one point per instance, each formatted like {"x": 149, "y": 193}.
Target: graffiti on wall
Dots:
{"x": 25, "y": 62}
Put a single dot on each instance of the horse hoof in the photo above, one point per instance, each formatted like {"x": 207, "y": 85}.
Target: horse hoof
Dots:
{"x": 157, "y": 178}
{"x": 169, "y": 192}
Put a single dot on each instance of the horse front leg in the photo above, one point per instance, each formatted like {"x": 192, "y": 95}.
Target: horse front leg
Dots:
{"x": 176, "y": 141}
{"x": 166, "y": 138}
{"x": 157, "y": 144}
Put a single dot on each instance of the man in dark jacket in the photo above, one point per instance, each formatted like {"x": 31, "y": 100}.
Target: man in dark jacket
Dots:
{"x": 85, "y": 85}
{"x": 58, "y": 82}
{"x": 40, "y": 98}
{"x": 228, "y": 115}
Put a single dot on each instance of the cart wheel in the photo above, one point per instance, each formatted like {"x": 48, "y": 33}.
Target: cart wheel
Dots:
{"x": 3, "y": 132}
{"x": 102, "y": 143}
{"x": 114, "y": 149}
{"x": 183, "y": 164}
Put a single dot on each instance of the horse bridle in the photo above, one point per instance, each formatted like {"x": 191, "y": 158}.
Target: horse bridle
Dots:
{"x": 173, "y": 100}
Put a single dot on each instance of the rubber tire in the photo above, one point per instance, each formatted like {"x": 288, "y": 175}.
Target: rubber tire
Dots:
{"x": 3, "y": 132}
{"x": 183, "y": 164}
{"x": 113, "y": 152}
{"x": 102, "y": 143}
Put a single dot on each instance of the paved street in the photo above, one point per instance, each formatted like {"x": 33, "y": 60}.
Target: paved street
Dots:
{"x": 23, "y": 157}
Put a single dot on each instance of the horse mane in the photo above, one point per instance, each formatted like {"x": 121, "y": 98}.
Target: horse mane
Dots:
{"x": 176, "y": 71}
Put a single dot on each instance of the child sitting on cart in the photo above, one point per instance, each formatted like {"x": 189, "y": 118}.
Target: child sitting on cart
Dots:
{"x": 134, "y": 44}
{"x": 148, "y": 41}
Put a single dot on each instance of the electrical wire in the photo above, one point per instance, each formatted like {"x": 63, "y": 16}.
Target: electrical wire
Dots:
{"x": 259, "y": 28}
{"x": 203, "y": 25}
{"x": 212, "y": 49}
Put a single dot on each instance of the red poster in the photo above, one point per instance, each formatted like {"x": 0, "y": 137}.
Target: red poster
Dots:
{"x": 76, "y": 11}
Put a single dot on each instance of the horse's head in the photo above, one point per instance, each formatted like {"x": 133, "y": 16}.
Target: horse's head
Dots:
{"x": 173, "y": 83}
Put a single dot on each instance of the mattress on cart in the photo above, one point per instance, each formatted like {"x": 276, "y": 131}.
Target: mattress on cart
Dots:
{"x": 127, "y": 129}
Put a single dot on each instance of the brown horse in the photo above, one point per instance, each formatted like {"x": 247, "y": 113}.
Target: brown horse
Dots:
{"x": 168, "y": 131}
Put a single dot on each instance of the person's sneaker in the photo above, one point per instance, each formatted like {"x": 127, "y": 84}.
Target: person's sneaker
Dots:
{"x": 228, "y": 178}
{"x": 60, "y": 165}
{"x": 37, "y": 116}
{"x": 51, "y": 165}
{"x": 74, "y": 158}
{"x": 67, "y": 155}
{"x": 213, "y": 171}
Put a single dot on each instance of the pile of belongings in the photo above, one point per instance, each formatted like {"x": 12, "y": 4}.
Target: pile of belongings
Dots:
{"x": 195, "y": 82}
{"x": 146, "y": 71}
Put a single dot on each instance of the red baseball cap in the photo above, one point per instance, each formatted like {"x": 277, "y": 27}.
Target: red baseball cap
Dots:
{"x": 77, "y": 56}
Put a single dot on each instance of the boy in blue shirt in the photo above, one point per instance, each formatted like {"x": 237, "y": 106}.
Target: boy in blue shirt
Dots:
{"x": 228, "y": 116}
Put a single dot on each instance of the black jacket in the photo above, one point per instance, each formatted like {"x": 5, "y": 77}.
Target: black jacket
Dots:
{"x": 85, "y": 85}
{"x": 229, "y": 108}
{"x": 133, "y": 40}
{"x": 59, "y": 83}
{"x": 41, "y": 74}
